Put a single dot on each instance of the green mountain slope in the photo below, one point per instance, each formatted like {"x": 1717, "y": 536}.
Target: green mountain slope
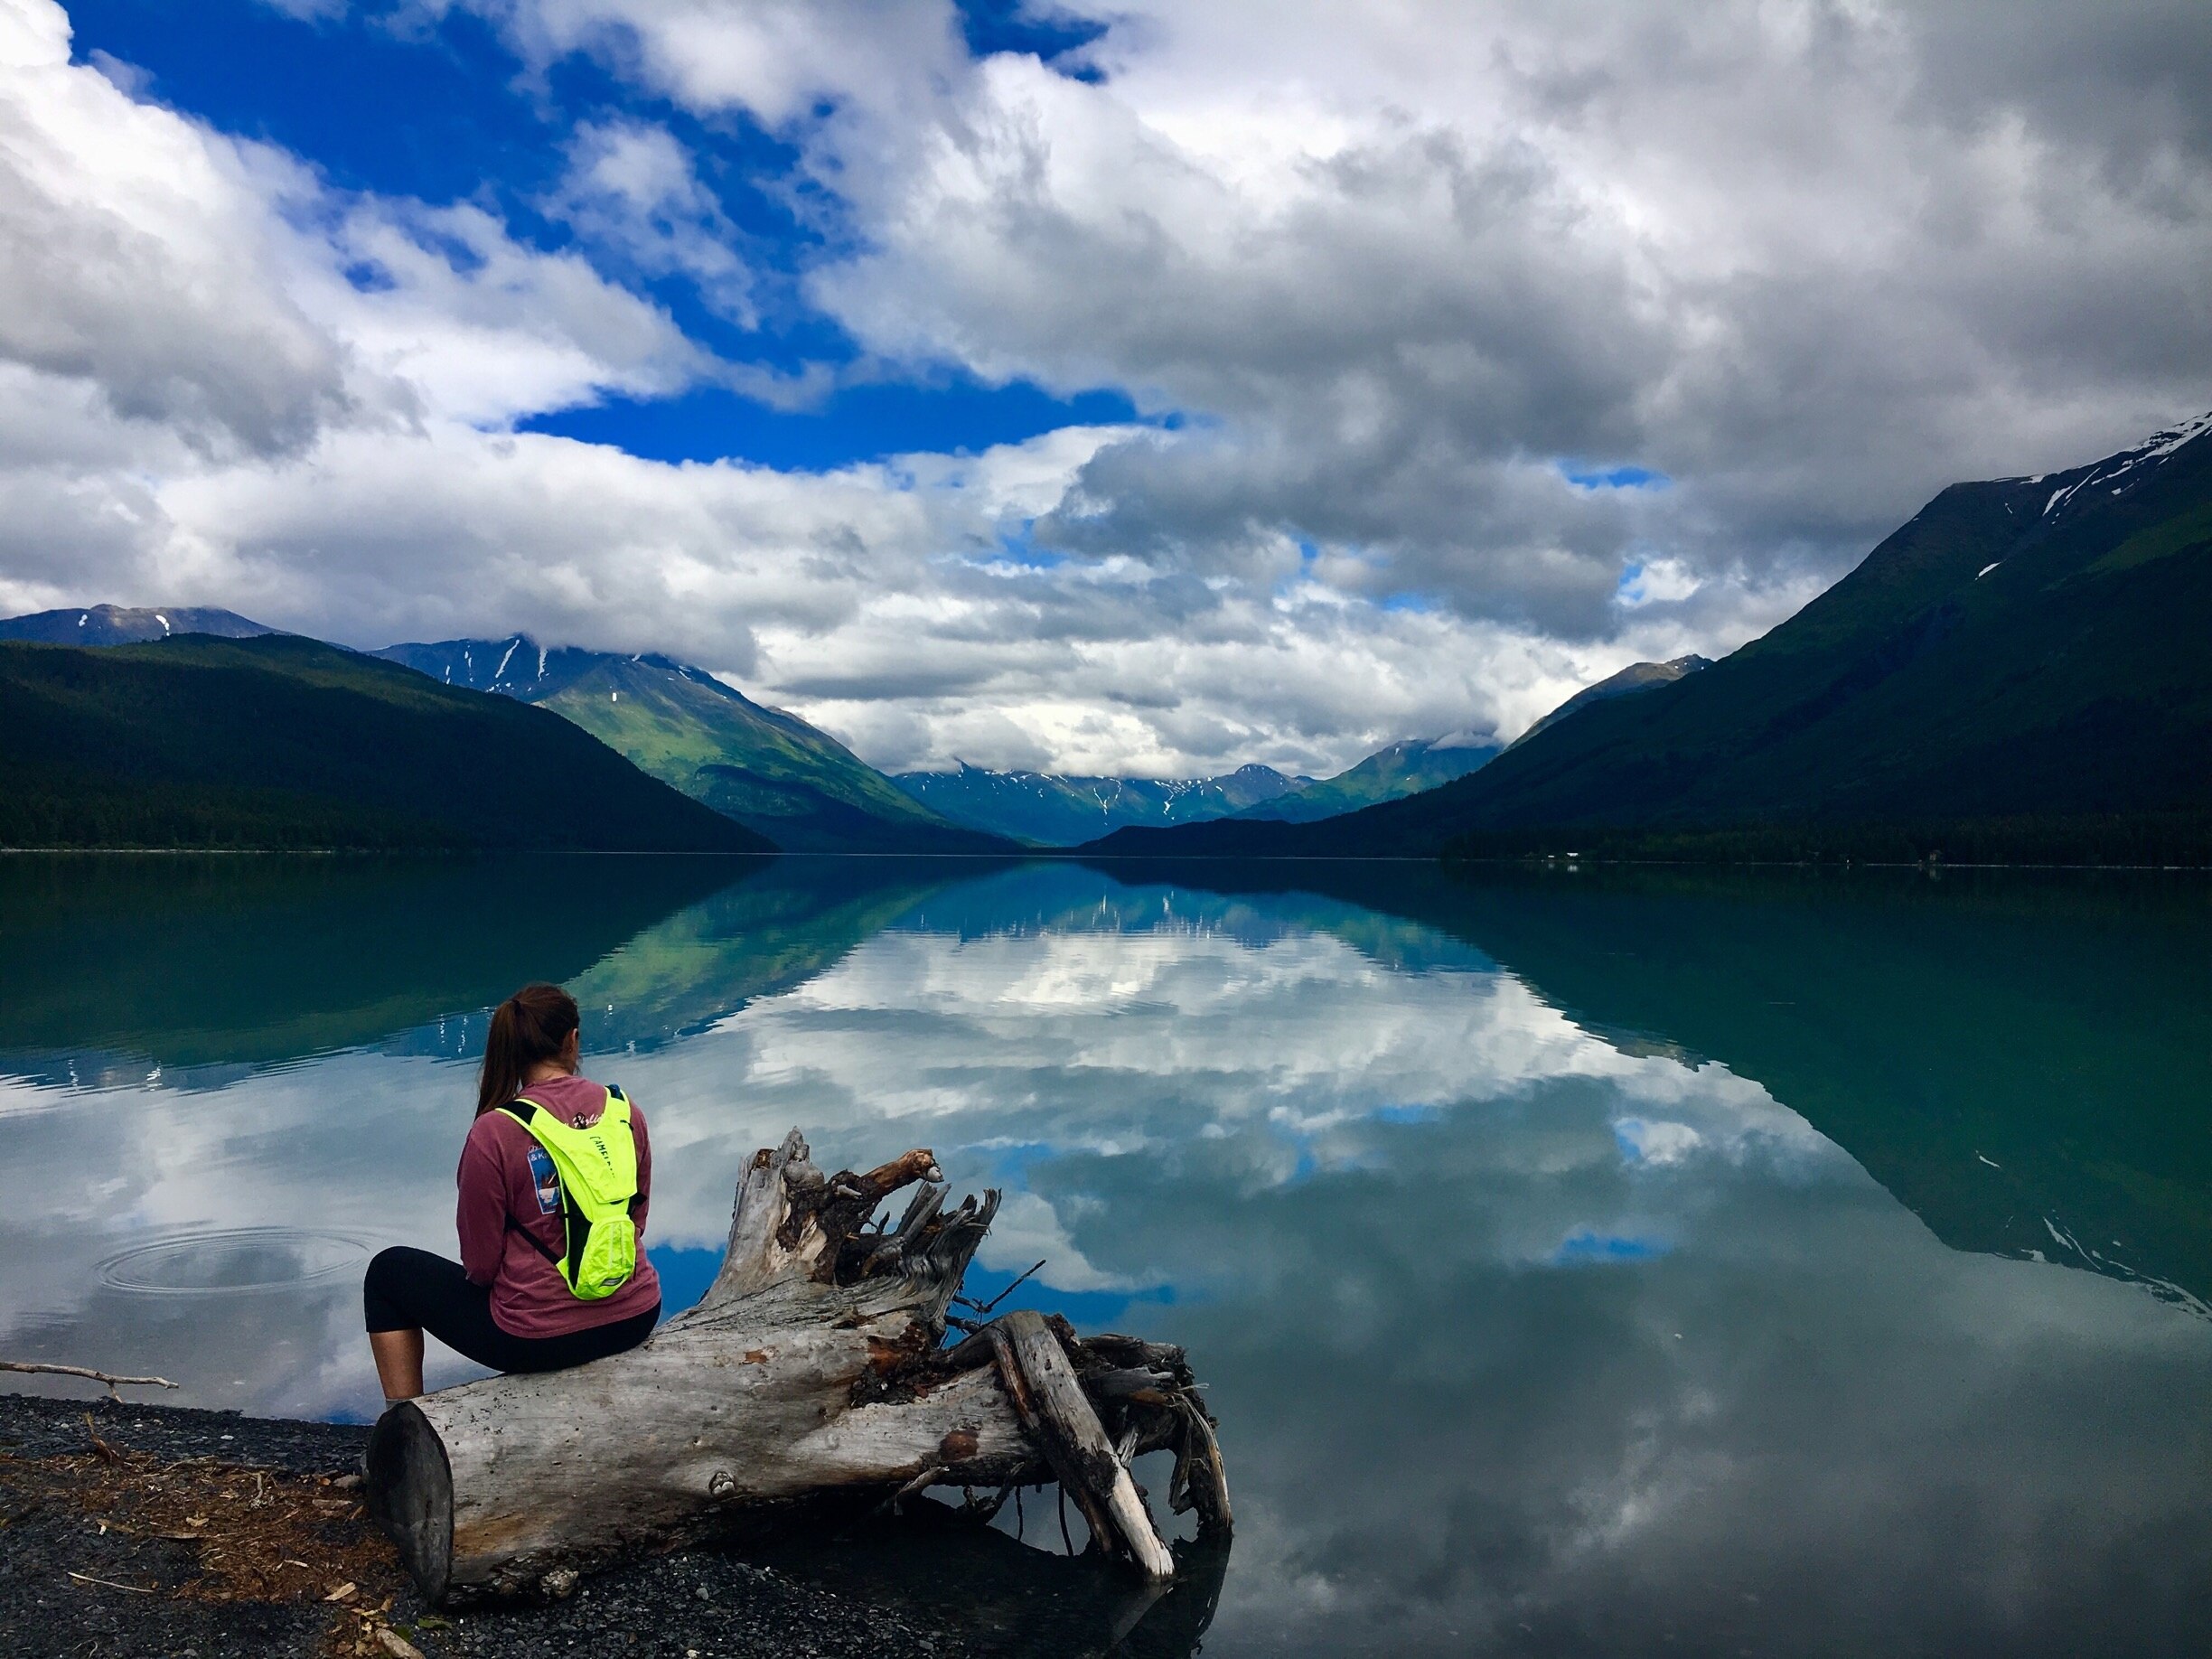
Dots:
{"x": 1636, "y": 677}
{"x": 1402, "y": 769}
{"x": 2015, "y": 674}
{"x": 280, "y": 742}
{"x": 766, "y": 769}
{"x": 115, "y": 624}
{"x": 1047, "y": 809}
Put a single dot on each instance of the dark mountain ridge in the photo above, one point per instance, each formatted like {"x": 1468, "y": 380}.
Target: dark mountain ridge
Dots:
{"x": 2016, "y": 674}
{"x": 282, "y": 742}
{"x": 1636, "y": 677}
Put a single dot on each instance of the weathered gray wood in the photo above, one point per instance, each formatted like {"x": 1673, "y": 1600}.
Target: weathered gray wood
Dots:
{"x": 1201, "y": 1479}
{"x": 812, "y": 1372}
{"x": 42, "y": 1368}
{"x": 1038, "y": 1374}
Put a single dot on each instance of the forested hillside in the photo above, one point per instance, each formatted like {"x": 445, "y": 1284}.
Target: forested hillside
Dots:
{"x": 282, "y": 742}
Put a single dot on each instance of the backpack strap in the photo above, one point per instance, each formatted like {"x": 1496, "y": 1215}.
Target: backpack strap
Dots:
{"x": 533, "y": 1241}
{"x": 553, "y": 1257}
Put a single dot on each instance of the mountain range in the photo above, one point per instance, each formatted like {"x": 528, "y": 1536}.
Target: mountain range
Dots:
{"x": 1043, "y": 809}
{"x": 277, "y": 741}
{"x": 1058, "y": 810}
{"x": 770, "y": 771}
{"x": 788, "y": 780}
{"x": 2017, "y": 674}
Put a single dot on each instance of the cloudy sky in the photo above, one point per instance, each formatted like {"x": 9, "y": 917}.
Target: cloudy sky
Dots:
{"x": 1113, "y": 386}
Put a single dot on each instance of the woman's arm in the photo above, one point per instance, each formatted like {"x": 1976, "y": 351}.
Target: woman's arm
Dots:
{"x": 644, "y": 1157}
{"x": 480, "y": 1216}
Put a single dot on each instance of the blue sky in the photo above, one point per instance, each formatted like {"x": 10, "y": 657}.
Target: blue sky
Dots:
{"x": 448, "y": 113}
{"x": 1149, "y": 387}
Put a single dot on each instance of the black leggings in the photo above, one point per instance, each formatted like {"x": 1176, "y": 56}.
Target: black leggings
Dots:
{"x": 411, "y": 1289}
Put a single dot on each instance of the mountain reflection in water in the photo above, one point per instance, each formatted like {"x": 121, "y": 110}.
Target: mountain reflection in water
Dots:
{"x": 1581, "y": 1263}
{"x": 2024, "y": 1059}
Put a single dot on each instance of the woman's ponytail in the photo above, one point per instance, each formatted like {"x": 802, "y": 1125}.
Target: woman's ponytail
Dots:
{"x": 530, "y": 1026}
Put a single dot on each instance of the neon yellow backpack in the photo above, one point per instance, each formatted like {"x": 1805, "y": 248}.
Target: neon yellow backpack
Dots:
{"x": 597, "y": 1167}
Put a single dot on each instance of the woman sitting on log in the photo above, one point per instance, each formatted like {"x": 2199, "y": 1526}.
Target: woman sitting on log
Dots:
{"x": 554, "y": 1179}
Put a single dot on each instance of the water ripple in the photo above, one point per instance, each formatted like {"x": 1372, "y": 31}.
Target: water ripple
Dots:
{"x": 234, "y": 1260}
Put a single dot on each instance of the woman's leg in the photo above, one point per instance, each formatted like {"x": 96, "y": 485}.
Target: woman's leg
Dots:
{"x": 409, "y": 1291}
{"x": 398, "y": 1361}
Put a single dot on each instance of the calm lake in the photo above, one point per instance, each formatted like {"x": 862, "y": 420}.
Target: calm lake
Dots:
{"x": 1581, "y": 1263}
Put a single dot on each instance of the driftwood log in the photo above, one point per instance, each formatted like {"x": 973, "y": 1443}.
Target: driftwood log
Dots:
{"x": 812, "y": 1377}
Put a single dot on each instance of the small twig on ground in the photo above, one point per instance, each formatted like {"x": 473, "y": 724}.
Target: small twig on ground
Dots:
{"x": 40, "y": 1368}
{"x": 101, "y": 1449}
{"x": 85, "y": 1578}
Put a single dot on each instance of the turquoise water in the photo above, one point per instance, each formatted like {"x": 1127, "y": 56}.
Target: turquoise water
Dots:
{"x": 1578, "y": 1262}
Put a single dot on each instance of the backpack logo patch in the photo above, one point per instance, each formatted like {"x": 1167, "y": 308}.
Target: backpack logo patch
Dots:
{"x": 545, "y": 1180}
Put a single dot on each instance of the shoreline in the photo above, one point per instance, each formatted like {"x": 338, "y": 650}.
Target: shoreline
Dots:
{"x": 77, "y": 1575}
{"x": 80, "y": 1570}
{"x": 1081, "y": 855}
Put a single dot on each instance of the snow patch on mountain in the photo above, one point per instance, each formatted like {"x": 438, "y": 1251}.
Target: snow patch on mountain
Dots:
{"x": 2147, "y": 457}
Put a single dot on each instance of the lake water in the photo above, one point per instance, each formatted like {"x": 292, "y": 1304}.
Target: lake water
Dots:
{"x": 1580, "y": 1263}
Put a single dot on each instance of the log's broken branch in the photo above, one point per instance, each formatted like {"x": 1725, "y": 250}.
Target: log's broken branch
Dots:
{"x": 40, "y": 1368}
{"x": 1043, "y": 1385}
{"x": 812, "y": 1376}
{"x": 923, "y": 1211}
{"x": 992, "y": 1305}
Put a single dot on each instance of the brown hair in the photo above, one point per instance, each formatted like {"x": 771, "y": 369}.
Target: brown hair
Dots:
{"x": 530, "y": 1026}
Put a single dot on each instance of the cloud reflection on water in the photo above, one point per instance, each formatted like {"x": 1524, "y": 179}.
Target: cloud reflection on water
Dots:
{"x": 1521, "y": 1337}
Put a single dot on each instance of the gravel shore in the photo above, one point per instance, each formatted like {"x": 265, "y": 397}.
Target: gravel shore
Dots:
{"x": 99, "y": 1556}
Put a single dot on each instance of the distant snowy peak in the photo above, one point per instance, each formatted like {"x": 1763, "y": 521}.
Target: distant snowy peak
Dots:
{"x": 1064, "y": 808}
{"x": 117, "y": 624}
{"x": 2162, "y": 443}
{"x": 518, "y": 667}
{"x": 2119, "y": 473}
